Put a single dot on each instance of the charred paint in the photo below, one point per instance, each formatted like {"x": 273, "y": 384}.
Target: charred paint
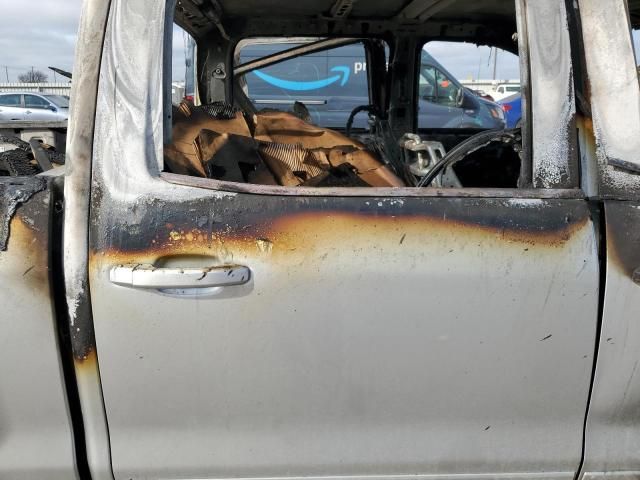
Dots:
{"x": 13, "y": 192}
{"x": 284, "y": 230}
{"x": 29, "y": 228}
{"x": 623, "y": 235}
{"x": 83, "y": 341}
{"x": 606, "y": 181}
{"x": 86, "y": 362}
{"x": 289, "y": 223}
{"x": 25, "y": 208}
{"x": 29, "y": 241}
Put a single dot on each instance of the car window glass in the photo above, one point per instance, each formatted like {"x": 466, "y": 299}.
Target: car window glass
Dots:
{"x": 447, "y": 90}
{"x": 58, "y": 100}
{"x": 330, "y": 84}
{"x": 10, "y": 100}
{"x": 436, "y": 87}
{"x": 183, "y": 78}
{"x": 465, "y": 86}
{"x": 33, "y": 101}
{"x": 427, "y": 85}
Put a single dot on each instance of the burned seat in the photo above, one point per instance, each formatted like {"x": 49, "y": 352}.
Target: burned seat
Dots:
{"x": 273, "y": 148}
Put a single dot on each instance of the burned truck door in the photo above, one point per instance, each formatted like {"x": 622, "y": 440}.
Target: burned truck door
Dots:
{"x": 400, "y": 332}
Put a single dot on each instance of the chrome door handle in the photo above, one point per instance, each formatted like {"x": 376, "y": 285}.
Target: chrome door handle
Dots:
{"x": 148, "y": 276}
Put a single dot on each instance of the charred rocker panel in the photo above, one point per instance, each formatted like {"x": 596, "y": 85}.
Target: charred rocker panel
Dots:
{"x": 13, "y": 192}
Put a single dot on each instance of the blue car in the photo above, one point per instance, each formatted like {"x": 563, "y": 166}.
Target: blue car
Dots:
{"x": 512, "y": 106}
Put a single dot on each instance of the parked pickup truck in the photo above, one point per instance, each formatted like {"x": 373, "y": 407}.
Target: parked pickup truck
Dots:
{"x": 505, "y": 90}
{"x": 211, "y": 290}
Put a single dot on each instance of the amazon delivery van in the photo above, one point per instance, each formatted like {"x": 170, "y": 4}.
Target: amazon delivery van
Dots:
{"x": 332, "y": 83}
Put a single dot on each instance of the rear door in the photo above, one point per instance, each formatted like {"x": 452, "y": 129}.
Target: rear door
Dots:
{"x": 265, "y": 332}
{"x": 11, "y": 107}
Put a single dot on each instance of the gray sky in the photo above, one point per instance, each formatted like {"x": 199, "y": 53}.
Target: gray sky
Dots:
{"x": 45, "y": 39}
{"x": 466, "y": 61}
{"x": 38, "y": 33}
{"x": 48, "y": 39}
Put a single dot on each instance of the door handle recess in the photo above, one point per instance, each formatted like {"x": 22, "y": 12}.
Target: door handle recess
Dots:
{"x": 148, "y": 276}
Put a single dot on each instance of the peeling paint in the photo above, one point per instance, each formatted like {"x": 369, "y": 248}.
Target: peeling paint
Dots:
{"x": 13, "y": 192}
{"x": 265, "y": 246}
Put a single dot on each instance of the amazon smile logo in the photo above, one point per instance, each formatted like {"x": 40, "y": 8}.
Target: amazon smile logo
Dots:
{"x": 342, "y": 77}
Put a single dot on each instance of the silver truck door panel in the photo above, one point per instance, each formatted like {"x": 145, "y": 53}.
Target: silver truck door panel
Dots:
{"x": 613, "y": 430}
{"x": 376, "y": 336}
{"x": 35, "y": 430}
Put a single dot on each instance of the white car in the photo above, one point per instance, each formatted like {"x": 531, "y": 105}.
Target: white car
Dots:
{"x": 35, "y": 107}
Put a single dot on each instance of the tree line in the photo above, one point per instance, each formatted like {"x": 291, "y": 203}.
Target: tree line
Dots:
{"x": 33, "y": 76}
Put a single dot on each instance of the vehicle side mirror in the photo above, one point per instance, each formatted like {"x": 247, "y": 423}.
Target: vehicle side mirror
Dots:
{"x": 52, "y": 108}
{"x": 466, "y": 100}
